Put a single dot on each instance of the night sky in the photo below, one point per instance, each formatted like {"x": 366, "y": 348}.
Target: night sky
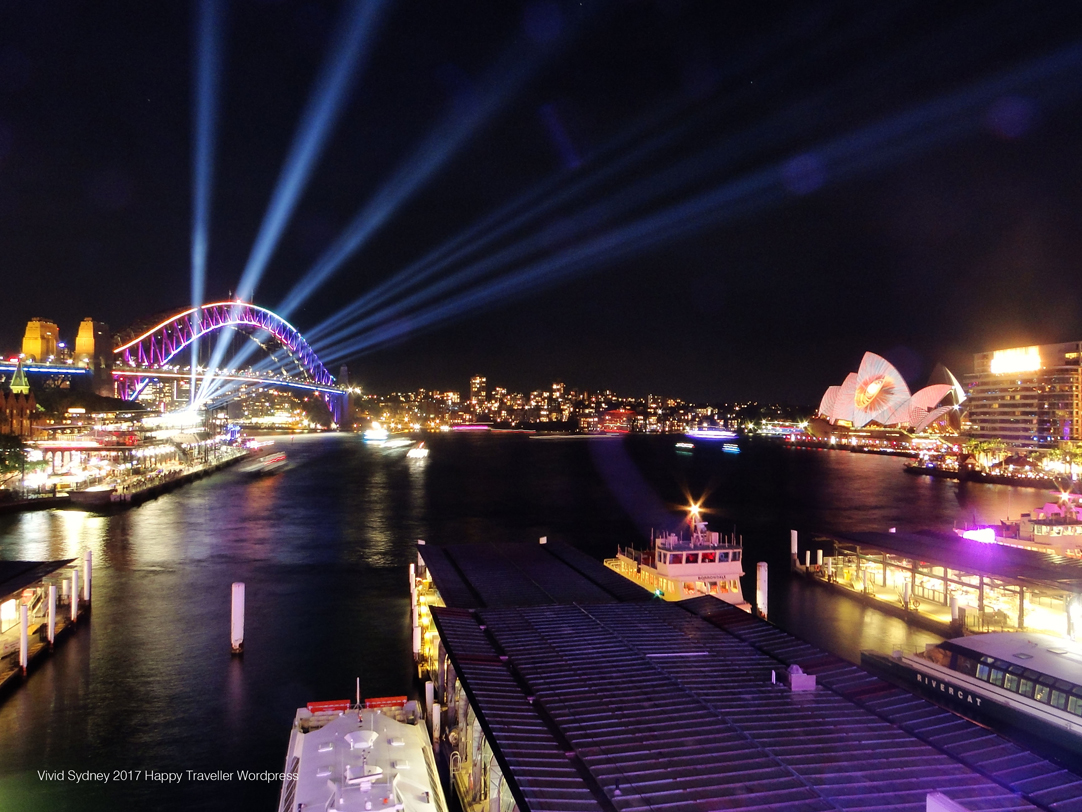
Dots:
{"x": 928, "y": 242}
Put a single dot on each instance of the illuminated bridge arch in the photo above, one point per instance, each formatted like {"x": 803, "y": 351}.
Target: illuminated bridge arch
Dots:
{"x": 157, "y": 346}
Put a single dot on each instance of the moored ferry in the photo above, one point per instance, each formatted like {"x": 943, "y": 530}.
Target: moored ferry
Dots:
{"x": 675, "y": 568}
{"x": 349, "y": 758}
{"x": 1028, "y": 681}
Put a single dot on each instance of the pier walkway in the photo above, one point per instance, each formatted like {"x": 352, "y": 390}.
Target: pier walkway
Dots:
{"x": 551, "y": 691}
{"x": 946, "y": 583}
{"x": 33, "y": 585}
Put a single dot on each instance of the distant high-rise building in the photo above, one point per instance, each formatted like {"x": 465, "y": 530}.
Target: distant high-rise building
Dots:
{"x": 40, "y": 340}
{"x": 1028, "y": 397}
{"x": 478, "y": 387}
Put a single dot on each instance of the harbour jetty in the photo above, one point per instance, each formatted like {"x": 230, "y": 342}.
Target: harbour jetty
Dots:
{"x": 553, "y": 683}
{"x": 40, "y": 602}
{"x": 946, "y": 583}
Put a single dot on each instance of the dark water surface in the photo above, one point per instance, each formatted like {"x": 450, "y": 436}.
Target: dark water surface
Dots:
{"x": 323, "y": 548}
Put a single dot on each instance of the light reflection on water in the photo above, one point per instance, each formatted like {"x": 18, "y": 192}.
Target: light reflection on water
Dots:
{"x": 323, "y": 548}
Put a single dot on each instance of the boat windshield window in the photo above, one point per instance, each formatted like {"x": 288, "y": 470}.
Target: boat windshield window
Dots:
{"x": 1010, "y": 682}
{"x": 1042, "y": 693}
{"x": 965, "y": 665}
{"x": 723, "y": 557}
{"x": 997, "y": 677}
{"x": 708, "y": 558}
{"x": 676, "y": 558}
{"x": 736, "y": 555}
{"x": 691, "y": 558}
{"x": 1059, "y": 699}
{"x": 983, "y": 671}
{"x": 1025, "y": 687}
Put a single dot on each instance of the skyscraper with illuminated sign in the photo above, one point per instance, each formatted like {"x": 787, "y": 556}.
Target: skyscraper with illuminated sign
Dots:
{"x": 1028, "y": 397}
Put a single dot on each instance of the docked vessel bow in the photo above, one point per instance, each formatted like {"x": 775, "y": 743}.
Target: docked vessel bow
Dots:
{"x": 360, "y": 759}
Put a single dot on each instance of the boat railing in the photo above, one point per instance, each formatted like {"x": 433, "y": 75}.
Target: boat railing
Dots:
{"x": 642, "y": 557}
{"x": 684, "y": 545}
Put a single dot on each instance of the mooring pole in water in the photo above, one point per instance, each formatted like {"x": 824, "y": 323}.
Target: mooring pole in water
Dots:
{"x": 74, "y": 594}
{"x": 430, "y": 698}
{"x": 793, "y": 552}
{"x": 236, "y": 623}
{"x": 24, "y": 636}
{"x": 87, "y": 568}
{"x": 436, "y": 726}
{"x": 761, "y": 588}
{"x": 52, "y": 613}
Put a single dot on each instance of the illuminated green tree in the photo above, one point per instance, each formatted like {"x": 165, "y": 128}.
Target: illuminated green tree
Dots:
{"x": 12, "y": 454}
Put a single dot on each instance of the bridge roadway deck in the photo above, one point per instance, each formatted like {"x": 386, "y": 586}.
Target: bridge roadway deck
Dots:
{"x": 596, "y": 700}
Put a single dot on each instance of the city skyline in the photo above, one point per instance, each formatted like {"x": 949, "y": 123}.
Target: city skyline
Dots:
{"x": 901, "y": 180}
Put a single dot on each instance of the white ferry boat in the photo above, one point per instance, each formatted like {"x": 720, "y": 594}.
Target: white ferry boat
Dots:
{"x": 676, "y": 568}
{"x": 352, "y": 759}
{"x": 1032, "y": 682}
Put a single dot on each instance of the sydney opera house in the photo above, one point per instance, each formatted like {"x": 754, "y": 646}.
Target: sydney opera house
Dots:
{"x": 876, "y": 396}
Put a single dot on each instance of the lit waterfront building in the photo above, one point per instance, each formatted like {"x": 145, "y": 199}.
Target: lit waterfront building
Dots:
{"x": 873, "y": 407}
{"x": 1027, "y": 397}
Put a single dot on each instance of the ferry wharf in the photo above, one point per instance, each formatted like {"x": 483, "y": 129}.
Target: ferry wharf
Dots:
{"x": 40, "y": 602}
{"x": 552, "y": 683}
{"x": 949, "y": 584}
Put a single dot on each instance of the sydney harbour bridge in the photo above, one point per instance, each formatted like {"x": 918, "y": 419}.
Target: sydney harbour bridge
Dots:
{"x": 162, "y": 350}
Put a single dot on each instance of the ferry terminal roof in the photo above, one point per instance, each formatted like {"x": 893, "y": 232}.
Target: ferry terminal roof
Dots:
{"x": 486, "y": 574}
{"x": 16, "y": 576}
{"x": 648, "y": 706}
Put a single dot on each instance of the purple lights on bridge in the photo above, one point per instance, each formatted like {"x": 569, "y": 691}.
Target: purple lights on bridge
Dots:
{"x": 144, "y": 358}
{"x": 157, "y": 346}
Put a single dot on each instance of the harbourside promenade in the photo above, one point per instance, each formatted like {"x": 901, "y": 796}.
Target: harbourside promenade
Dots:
{"x": 551, "y": 686}
{"x": 127, "y": 492}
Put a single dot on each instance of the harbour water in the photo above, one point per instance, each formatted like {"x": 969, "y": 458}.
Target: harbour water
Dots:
{"x": 148, "y": 694}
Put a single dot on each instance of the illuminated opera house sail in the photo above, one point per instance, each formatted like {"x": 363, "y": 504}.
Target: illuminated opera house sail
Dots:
{"x": 878, "y": 394}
